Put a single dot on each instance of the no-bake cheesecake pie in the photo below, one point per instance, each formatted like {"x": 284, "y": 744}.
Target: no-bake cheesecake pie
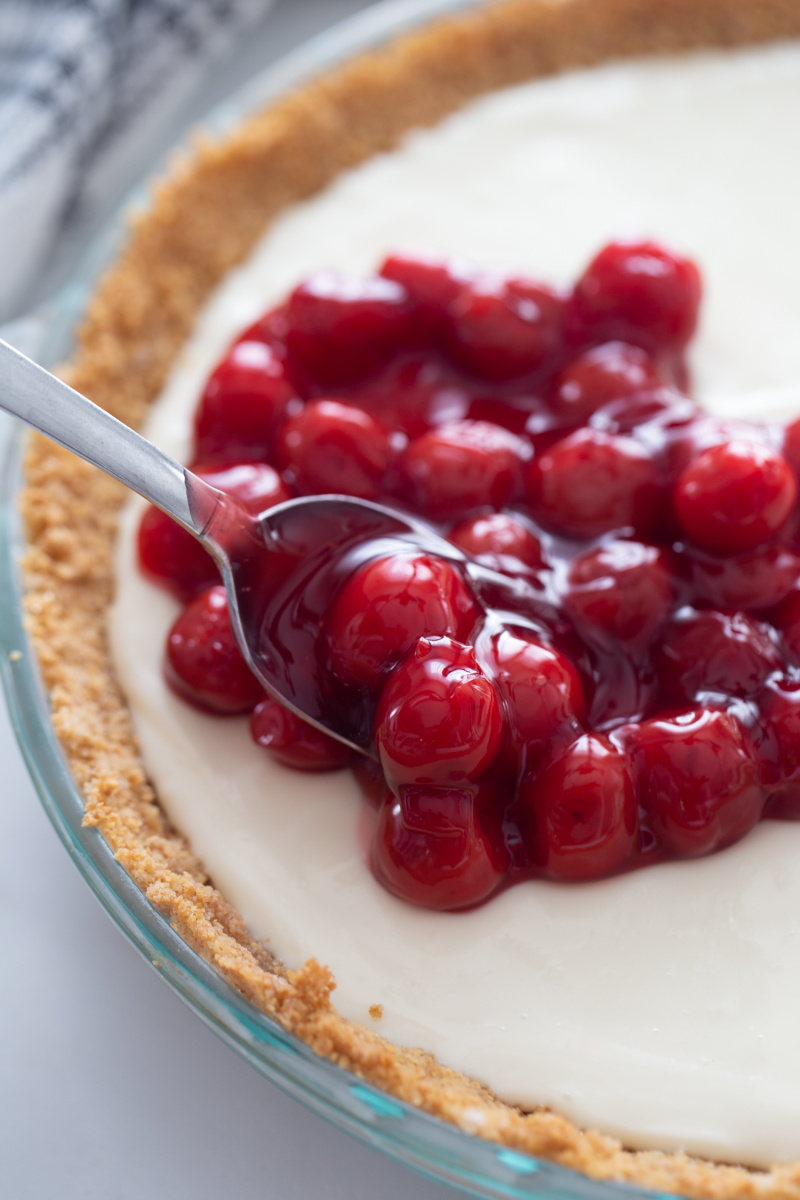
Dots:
{"x": 652, "y": 1006}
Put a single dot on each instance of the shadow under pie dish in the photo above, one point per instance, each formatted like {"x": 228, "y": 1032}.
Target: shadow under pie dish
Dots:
{"x": 139, "y": 319}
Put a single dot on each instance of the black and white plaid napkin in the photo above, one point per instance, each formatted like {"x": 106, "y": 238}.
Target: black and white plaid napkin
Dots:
{"x": 85, "y": 86}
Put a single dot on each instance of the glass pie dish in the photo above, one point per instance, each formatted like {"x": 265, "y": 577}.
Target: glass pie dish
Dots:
{"x": 410, "y": 1137}
{"x": 401, "y": 1131}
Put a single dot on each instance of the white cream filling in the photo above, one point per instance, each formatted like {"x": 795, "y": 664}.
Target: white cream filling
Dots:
{"x": 661, "y": 1006}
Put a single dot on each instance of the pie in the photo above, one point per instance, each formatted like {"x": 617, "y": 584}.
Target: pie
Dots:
{"x": 203, "y": 221}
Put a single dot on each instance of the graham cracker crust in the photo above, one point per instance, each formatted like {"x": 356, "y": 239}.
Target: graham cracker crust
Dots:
{"x": 203, "y": 220}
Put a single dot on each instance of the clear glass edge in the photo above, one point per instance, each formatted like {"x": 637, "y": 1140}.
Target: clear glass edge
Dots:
{"x": 427, "y": 1145}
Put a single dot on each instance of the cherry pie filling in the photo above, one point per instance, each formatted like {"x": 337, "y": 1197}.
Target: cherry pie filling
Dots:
{"x": 607, "y": 674}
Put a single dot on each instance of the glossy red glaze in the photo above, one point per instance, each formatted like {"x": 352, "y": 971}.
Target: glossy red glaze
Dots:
{"x": 626, "y": 554}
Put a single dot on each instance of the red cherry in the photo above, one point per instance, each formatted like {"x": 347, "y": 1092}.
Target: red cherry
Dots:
{"x": 242, "y": 405}
{"x": 760, "y": 578}
{"x": 786, "y": 618}
{"x": 620, "y": 593}
{"x": 609, "y": 372}
{"x": 203, "y": 663}
{"x": 638, "y": 292}
{"x": 343, "y": 329}
{"x": 735, "y": 496}
{"x": 438, "y": 720}
{"x": 384, "y": 608}
{"x": 257, "y": 486}
{"x": 407, "y": 395}
{"x": 271, "y": 328}
{"x": 791, "y": 445}
{"x": 579, "y": 817}
{"x": 697, "y": 781}
{"x": 503, "y": 328}
{"x": 501, "y": 537}
{"x": 463, "y": 465}
{"x": 431, "y": 850}
{"x": 540, "y": 687}
{"x": 590, "y": 483}
{"x": 431, "y": 286}
{"x": 171, "y": 557}
{"x": 779, "y": 705}
{"x": 371, "y": 780}
{"x": 458, "y": 726}
{"x": 335, "y": 447}
{"x": 293, "y": 741}
{"x": 729, "y": 654}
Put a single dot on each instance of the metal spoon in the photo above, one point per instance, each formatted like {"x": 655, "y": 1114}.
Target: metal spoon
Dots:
{"x": 255, "y": 555}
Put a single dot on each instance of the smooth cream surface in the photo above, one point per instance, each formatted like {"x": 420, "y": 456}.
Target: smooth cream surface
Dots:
{"x": 660, "y": 1006}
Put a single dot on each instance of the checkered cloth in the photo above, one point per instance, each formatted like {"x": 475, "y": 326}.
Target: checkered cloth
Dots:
{"x": 84, "y": 87}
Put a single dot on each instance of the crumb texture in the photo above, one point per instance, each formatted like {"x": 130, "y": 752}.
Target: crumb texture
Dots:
{"x": 203, "y": 220}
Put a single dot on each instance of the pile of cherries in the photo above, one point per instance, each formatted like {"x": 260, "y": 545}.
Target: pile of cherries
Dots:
{"x": 634, "y": 693}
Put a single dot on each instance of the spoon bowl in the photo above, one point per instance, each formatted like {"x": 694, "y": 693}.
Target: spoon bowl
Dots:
{"x": 282, "y": 570}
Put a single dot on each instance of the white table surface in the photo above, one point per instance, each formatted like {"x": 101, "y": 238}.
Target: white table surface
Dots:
{"x": 110, "y": 1089}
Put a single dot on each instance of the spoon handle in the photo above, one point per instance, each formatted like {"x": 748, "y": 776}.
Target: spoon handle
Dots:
{"x": 48, "y": 404}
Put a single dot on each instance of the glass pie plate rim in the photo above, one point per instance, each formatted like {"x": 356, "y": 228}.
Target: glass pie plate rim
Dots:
{"x": 425, "y": 1143}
